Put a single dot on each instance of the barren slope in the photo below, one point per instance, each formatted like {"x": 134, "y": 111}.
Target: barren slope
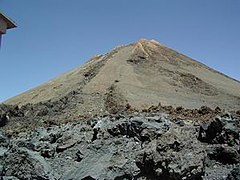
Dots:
{"x": 140, "y": 74}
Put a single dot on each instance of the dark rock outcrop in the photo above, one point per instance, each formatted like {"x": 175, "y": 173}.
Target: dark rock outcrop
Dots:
{"x": 235, "y": 174}
{"x": 222, "y": 130}
{"x": 125, "y": 146}
{"x": 25, "y": 164}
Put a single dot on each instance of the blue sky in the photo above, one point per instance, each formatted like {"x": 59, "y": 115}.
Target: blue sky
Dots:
{"x": 54, "y": 36}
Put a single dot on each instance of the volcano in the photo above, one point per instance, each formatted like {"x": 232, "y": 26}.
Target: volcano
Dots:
{"x": 142, "y": 111}
{"x": 139, "y": 75}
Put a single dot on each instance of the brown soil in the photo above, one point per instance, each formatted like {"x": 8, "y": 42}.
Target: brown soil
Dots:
{"x": 132, "y": 77}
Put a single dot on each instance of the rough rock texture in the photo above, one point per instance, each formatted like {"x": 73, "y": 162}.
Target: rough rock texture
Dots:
{"x": 146, "y": 145}
{"x": 25, "y": 164}
{"x": 221, "y": 131}
{"x": 134, "y": 77}
{"x": 142, "y": 111}
{"x": 235, "y": 174}
{"x": 17, "y": 119}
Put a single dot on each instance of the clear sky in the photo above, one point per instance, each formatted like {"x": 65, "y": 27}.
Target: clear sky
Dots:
{"x": 54, "y": 36}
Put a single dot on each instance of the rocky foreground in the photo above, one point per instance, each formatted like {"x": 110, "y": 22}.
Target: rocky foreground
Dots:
{"x": 141, "y": 145}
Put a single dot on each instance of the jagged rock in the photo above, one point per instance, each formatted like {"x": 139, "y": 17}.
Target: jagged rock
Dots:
{"x": 222, "y": 130}
{"x": 143, "y": 129}
{"x": 124, "y": 146}
{"x": 45, "y": 149}
{"x": 65, "y": 142}
{"x": 65, "y": 145}
{"x": 131, "y": 129}
{"x": 172, "y": 156}
{"x": 79, "y": 156}
{"x": 25, "y": 144}
{"x": 7, "y": 112}
{"x": 216, "y": 171}
{"x": 3, "y": 120}
{"x": 204, "y": 110}
{"x": 224, "y": 155}
{"x": 235, "y": 174}
{"x": 10, "y": 110}
{"x": 208, "y": 132}
{"x": 106, "y": 161}
{"x": 4, "y": 141}
{"x": 43, "y": 135}
{"x": 25, "y": 164}
{"x": 43, "y": 111}
{"x": 238, "y": 112}
{"x": 2, "y": 151}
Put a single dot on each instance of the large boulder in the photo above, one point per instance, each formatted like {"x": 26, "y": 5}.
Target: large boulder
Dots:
{"x": 3, "y": 120}
{"x": 174, "y": 155}
{"x": 221, "y": 130}
{"x": 142, "y": 128}
{"x": 112, "y": 159}
{"x": 224, "y": 154}
{"x": 25, "y": 164}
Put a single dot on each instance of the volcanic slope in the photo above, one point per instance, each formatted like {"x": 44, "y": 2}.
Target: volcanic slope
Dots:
{"x": 139, "y": 75}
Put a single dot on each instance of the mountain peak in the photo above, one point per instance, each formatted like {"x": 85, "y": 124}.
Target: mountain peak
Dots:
{"x": 148, "y": 42}
{"x": 141, "y": 74}
{"x": 143, "y": 47}
{"x": 143, "y": 40}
